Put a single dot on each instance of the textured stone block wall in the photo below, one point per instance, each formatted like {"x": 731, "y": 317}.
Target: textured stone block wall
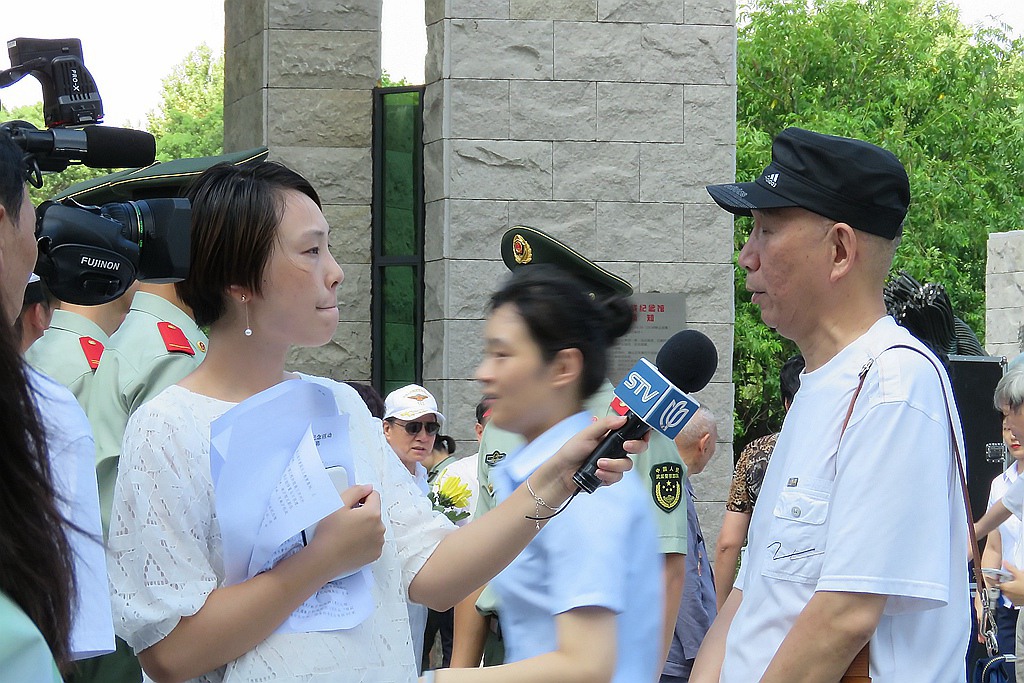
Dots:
{"x": 599, "y": 121}
{"x": 1004, "y": 294}
{"x": 299, "y": 76}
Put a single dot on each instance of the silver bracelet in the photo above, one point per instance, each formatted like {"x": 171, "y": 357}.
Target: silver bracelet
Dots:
{"x": 427, "y": 677}
{"x": 539, "y": 502}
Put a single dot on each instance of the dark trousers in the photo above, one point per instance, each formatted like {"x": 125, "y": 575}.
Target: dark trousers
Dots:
{"x": 120, "y": 666}
{"x": 682, "y": 677}
{"x": 1006, "y": 633}
{"x": 439, "y": 623}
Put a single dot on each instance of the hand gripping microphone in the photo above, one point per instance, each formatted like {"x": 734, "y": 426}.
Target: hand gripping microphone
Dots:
{"x": 653, "y": 397}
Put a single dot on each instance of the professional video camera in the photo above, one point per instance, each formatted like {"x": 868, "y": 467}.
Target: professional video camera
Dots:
{"x": 91, "y": 254}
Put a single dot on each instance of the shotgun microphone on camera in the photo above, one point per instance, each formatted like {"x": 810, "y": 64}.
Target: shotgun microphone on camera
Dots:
{"x": 93, "y": 146}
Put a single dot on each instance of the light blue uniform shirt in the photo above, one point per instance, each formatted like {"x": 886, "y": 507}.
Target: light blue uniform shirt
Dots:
{"x": 602, "y": 551}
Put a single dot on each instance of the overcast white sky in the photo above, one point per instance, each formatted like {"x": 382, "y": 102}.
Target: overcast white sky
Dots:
{"x": 131, "y": 45}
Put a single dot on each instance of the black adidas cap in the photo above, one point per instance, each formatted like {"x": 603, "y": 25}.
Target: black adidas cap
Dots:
{"x": 846, "y": 180}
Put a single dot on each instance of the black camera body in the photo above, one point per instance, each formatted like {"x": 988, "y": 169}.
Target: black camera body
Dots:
{"x": 90, "y": 255}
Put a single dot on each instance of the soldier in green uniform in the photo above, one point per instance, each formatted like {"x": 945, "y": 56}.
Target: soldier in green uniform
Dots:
{"x": 661, "y": 467}
{"x": 157, "y": 345}
{"x": 70, "y": 350}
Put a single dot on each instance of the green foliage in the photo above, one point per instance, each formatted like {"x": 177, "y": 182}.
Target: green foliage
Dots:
{"x": 189, "y": 122}
{"x": 386, "y": 81}
{"x": 907, "y": 75}
{"x": 190, "y": 119}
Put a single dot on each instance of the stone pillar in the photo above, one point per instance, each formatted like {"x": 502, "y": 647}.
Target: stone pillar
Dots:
{"x": 298, "y": 78}
{"x": 599, "y": 123}
{"x": 1004, "y": 294}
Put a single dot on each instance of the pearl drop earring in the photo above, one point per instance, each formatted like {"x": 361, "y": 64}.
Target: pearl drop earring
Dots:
{"x": 248, "y": 330}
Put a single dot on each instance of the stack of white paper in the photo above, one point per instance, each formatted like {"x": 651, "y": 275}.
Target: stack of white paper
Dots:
{"x": 268, "y": 460}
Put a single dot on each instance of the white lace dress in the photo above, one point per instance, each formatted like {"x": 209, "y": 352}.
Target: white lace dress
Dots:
{"x": 165, "y": 553}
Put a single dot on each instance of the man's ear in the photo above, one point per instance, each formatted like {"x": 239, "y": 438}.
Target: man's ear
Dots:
{"x": 39, "y": 315}
{"x": 844, "y": 249}
{"x": 703, "y": 443}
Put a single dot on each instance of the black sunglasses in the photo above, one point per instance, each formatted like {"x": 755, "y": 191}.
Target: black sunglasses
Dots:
{"x": 413, "y": 428}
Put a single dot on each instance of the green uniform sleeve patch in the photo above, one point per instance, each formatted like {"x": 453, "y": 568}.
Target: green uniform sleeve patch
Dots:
{"x": 667, "y": 485}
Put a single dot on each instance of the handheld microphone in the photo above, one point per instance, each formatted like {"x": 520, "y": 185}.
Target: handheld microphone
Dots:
{"x": 94, "y": 146}
{"x": 653, "y": 397}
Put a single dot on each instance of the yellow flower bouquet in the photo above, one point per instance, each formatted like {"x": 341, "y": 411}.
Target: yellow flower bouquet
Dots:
{"x": 451, "y": 498}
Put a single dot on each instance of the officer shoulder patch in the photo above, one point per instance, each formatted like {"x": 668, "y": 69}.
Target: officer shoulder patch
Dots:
{"x": 174, "y": 339}
{"x": 92, "y": 349}
{"x": 667, "y": 485}
{"x": 492, "y": 459}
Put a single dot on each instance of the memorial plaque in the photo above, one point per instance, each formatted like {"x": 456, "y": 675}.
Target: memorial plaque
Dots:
{"x": 656, "y": 317}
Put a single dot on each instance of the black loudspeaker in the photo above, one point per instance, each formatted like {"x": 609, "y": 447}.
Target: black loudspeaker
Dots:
{"x": 974, "y": 380}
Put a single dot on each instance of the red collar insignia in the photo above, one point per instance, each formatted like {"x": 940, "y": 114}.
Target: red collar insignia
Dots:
{"x": 92, "y": 350}
{"x": 174, "y": 339}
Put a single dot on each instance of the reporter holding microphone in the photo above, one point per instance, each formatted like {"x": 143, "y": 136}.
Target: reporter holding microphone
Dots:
{"x": 580, "y": 602}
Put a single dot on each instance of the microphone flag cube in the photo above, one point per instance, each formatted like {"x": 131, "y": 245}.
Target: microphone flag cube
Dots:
{"x": 618, "y": 407}
{"x": 649, "y": 394}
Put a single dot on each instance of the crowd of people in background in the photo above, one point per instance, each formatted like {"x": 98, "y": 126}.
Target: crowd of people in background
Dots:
{"x": 489, "y": 566}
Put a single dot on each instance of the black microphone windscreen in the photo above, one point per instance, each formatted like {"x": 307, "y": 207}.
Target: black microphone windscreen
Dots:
{"x": 689, "y": 360}
{"x": 109, "y": 147}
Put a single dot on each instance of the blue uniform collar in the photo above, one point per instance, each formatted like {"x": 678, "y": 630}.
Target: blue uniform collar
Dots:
{"x": 523, "y": 462}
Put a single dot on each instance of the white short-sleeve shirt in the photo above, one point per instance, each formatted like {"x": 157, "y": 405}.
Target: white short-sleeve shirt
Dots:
{"x": 69, "y": 445}
{"x": 1013, "y": 498}
{"x": 884, "y": 515}
{"x": 165, "y": 555}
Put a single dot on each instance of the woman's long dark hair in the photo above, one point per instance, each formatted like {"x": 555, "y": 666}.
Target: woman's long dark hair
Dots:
{"x": 561, "y": 314}
{"x": 36, "y": 564}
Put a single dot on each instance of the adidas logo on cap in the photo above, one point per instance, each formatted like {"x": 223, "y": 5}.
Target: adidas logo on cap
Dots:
{"x": 772, "y": 179}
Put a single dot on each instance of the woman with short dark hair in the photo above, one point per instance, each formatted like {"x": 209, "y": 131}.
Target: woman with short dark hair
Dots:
{"x": 264, "y": 279}
{"x": 583, "y": 602}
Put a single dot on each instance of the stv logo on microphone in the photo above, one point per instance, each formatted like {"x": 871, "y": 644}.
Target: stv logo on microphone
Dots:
{"x": 650, "y": 395}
